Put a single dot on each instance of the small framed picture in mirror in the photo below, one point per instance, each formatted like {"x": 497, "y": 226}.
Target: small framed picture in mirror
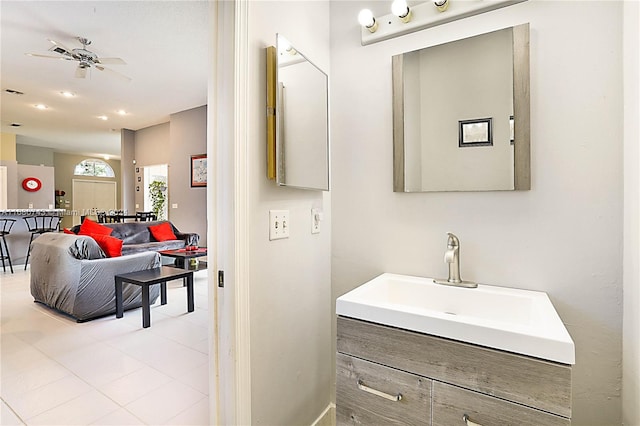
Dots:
{"x": 476, "y": 132}
{"x": 511, "y": 130}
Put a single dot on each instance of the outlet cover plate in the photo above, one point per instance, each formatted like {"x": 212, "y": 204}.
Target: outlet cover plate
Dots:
{"x": 278, "y": 224}
{"x": 316, "y": 217}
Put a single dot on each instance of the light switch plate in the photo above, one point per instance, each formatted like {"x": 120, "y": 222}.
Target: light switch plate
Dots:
{"x": 174, "y": 205}
{"x": 278, "y": 224}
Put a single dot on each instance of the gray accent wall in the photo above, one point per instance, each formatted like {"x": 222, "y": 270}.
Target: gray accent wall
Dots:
{"x": 187, "y": 136}
{"x": 34, "y": 155}
{"x": 173, "y": 143}
{"x": 127, "y": 156}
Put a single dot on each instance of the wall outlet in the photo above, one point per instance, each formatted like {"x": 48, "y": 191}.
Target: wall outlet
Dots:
{"x": 278, "y": 224}
{"x": 137, "y": 206}
{"x": 316, "y": 218}
{"x": 174, "y": 205}
{"x": 30, "y": 205}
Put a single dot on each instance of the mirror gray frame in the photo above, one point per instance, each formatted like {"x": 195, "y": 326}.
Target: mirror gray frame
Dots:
{"x": 521, "y": 111}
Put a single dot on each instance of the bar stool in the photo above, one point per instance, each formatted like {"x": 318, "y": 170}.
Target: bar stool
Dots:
{"x": 5, "y": 229}
{"x": 38, "y": 225}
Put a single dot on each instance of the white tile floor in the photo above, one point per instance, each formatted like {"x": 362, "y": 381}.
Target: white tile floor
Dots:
{"x": 108, "y": 371}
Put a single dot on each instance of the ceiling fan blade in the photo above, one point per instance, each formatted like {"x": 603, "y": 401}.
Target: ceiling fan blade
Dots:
{"x": 111, "y": 61}
{"x": 112, "y": 72}
{"x": 81, "y": 72}
{"x": 49, "y": 56}
{"x": 60, "y": 48}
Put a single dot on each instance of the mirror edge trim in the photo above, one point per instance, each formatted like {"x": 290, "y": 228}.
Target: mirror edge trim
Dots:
{"x": 522, "y": 107}
{"x": 398, "y": 123}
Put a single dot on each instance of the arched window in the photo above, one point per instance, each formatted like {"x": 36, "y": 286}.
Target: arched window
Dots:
{"x": 93, "y": 167}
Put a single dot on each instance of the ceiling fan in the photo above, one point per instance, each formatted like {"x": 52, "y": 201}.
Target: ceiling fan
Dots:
{"x": 85, "y": 58}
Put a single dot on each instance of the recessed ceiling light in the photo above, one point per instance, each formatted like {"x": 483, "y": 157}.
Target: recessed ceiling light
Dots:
{"x": 41, "y": 106}
{"x": 67, "y": 94}
{"x": 14, "y": 92}
{"x": 103, "y": 117}
{"x": 122, "y": 112}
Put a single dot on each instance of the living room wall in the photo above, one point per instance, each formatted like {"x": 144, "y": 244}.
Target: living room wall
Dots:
{"x": 64, "y": 165}
{"x": 173, "y": 143}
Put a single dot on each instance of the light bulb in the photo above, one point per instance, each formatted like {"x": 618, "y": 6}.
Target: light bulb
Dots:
{"x": 366, "y": 19}
{"x": 401, "y": 10}
{"x": 441, "y": 5}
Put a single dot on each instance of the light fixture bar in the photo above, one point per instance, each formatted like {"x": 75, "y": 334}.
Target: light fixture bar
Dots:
{"x": 426, "y": 15}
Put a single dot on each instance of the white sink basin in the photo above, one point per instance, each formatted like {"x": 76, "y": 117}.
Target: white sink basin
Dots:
{"x": 520, "y": 321}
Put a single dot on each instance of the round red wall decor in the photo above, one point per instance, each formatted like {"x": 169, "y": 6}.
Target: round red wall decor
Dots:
{"x": 31, "y": 184}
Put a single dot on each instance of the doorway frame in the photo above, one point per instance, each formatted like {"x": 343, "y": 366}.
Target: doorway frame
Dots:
{"x": 228, "y": 220}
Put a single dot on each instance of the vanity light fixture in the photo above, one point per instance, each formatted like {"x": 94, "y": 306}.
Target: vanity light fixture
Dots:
{"x": 421, "y": 16}
{"x": 402, "y": 10}
{"x": 367, "y": 20}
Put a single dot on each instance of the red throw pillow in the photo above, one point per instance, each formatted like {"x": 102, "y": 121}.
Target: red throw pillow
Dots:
{"x": 68, "y": 231}
{"x": 111, "y": 246}
{"x": 92, "y": 228}
{"x": 163, "y": 232}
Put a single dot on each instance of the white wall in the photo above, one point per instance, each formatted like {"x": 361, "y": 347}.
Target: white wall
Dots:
{"x": 631, "y": 319}
{"x": 564, "y": 236}
{"x": 290, "y": 281}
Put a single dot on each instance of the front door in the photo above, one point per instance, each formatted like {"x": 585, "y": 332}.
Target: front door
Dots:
{"x": 91, "y": 195}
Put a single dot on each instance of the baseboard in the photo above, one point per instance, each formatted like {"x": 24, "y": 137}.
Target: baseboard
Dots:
{"x": 328, "y": 416}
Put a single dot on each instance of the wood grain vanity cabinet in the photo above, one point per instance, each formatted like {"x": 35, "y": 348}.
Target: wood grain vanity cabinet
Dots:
{"x": 392, "y": 376}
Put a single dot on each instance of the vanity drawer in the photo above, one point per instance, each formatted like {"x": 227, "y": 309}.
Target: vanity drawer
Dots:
{"x": 529, "y": 381}
{"x": 358, "y": 401}
{"x": 451, "y": 403}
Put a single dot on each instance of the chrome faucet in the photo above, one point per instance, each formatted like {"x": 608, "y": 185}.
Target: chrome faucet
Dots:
{"x": 452, "y": 258}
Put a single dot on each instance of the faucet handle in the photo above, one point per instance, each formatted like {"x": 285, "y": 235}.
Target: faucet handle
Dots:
{"x": 448, "y": 256}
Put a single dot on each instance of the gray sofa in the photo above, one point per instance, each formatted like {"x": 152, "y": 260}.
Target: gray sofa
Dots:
{"x": 137, "y": 238}
{"x": 70, "y": 273}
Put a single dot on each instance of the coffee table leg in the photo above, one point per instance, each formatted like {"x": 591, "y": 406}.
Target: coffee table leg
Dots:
{"x": 146, "y": 309}
{"x": 163, "y": 293}
{"x": 119, "y": 307}
{"x": 190, "y": 301}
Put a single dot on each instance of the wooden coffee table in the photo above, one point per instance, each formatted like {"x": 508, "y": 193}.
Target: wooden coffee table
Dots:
{"x": 183, "y": 257}
{"x": 147, "y": 278}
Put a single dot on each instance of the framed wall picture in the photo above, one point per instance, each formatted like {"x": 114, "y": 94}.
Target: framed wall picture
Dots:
{"x": 475, "y": 132}
{"x": 198, "y": 170}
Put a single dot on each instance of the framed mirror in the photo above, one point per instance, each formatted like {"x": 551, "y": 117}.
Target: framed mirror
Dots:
{"x": 297, "y": 119}
{"x": 461, "y": 115}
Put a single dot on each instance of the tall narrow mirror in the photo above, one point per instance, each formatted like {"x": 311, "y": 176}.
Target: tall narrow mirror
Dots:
{"x": 301, "y": 120}
{"x": 461, "y": 114}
